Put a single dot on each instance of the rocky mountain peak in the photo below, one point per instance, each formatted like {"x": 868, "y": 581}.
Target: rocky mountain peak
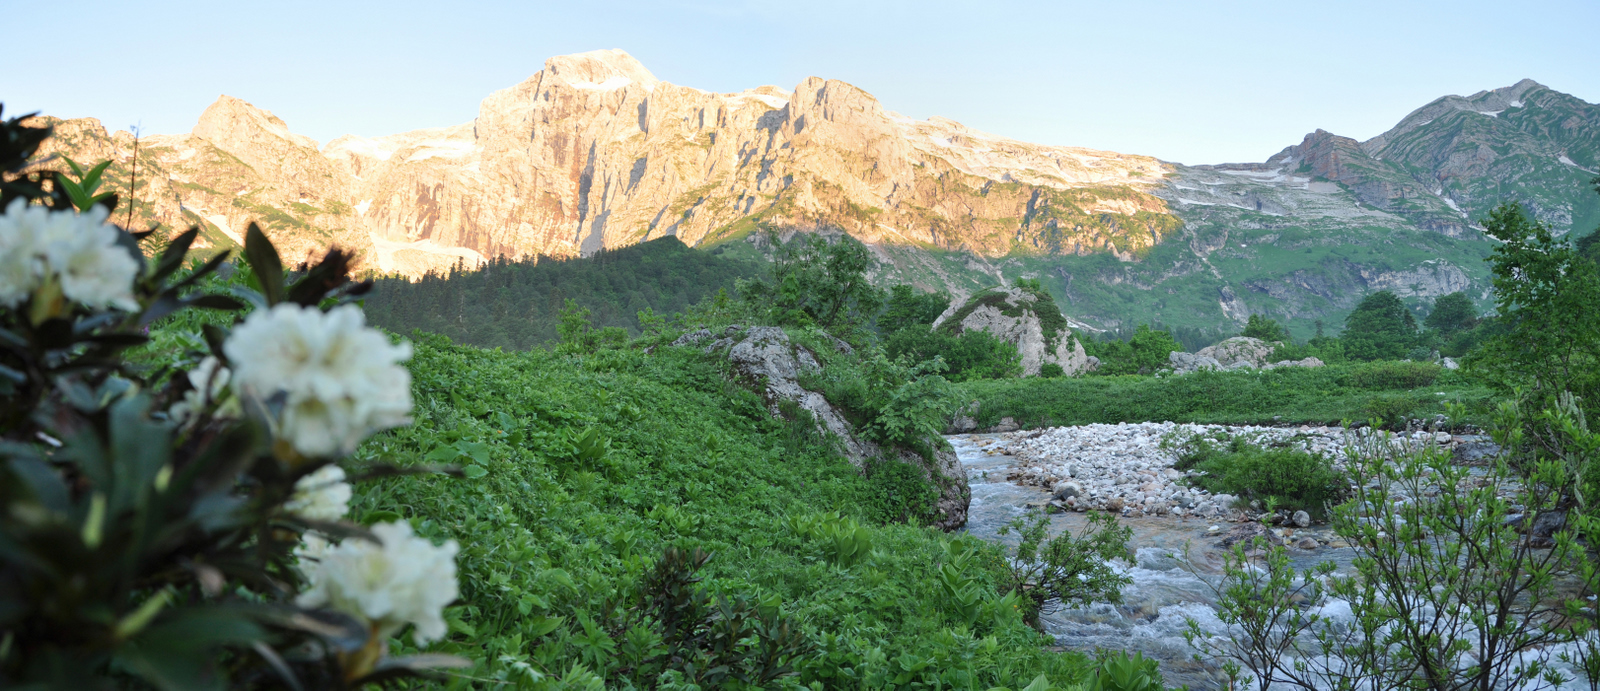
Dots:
{"x": 602, "y": 70}
{"x": 233, "y": 123}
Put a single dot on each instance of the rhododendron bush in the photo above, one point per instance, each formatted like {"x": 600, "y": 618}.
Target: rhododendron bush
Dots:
{"x": 185, "y": 526}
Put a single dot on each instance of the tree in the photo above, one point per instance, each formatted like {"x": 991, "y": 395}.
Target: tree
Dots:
{"x": 1265, "y": 328}
{"x": 1147, "y": 351}
{"x": 975, "y": 354}
{"x": 1548, "y": 299}
{"x": 817, "y": 281}
{"x": 1452, "y": 313}
{"x": 1380, "y": 328}
{"x": 909, "y": 308}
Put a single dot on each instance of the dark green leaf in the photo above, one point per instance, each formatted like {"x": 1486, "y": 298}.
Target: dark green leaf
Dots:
{"x": 264, "y": 262}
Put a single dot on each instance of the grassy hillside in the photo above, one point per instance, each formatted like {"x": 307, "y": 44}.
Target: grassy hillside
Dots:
{"x": 1387, "y": 391}
{"x": 584, "y": 470}
{"x": 517, "y": 304}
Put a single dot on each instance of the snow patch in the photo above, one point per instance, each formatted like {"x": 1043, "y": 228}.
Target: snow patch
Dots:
{"x": 1491, "y": 113}
{"x": 361, "y": 146}
{"x": 387, "y": 249}
{"x": 1516, "y": 104}
{"x": 1181, "y": 200}
{"x": 1185, "y": 187}
{"x": 772, "y": 102}
{"x": 441, "y": 148}
{"x": 186, "y": 154}
{"x": 361, "y": 209}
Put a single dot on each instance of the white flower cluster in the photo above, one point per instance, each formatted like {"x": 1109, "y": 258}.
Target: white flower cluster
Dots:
{"x": 342, "y": 380}
{"x": 404, "y": 579}
{"x": 208, "y": 383}
{"x": 320, "y": 496}
{"x": 79, "y": 250}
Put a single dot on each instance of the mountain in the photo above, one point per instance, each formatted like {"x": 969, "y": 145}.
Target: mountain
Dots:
{"x": 594, "y": 152}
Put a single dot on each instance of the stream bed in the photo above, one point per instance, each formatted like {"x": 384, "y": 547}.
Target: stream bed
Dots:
{"x": 1164, "y": 593}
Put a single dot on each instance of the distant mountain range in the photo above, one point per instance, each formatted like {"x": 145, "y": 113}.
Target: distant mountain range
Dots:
{"x": 594, "y": 152}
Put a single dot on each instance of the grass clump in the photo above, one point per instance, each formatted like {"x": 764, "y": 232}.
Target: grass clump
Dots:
{"x": 1400, "y": 375}
{"x": 1278, "y": 476}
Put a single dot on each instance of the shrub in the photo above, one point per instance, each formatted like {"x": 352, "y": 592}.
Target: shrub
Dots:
{"x": 970, "y": 356}
{"x": 1391, "y": 410}
{"x": 1265, "y": 328}
{"x": 1051, "y": 370}
{"x": 1280, "y": 476}
{"x": 1380, "y": 328}
{"x": 1145, "y": 352}
{"x": 1400, "y": 374}
{"x": 188, "y": 531}
{"x": 1070, "y": 570}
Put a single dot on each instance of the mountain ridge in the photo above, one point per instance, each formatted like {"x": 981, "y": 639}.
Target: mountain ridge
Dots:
{"x": 593, "y": 151}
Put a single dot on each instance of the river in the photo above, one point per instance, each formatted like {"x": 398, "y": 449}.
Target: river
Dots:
{"x": 1164, "y": 593}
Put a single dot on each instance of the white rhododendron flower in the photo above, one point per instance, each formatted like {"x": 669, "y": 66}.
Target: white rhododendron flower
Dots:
{"x": 208, "y": 382}
{"x": 320, "y": 496}
{"x": 79, "y": 249}
{"x": 403, "y": 580}
{"x": 342, "y": 380}
{"x": 309, "y": 554}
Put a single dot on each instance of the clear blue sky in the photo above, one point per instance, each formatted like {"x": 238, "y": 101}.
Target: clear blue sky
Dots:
{"x": 1195, "y": 82}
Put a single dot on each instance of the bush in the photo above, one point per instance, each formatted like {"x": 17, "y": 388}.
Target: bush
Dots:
{"x": 1400, "y": 374}
{"x": 1051, "y": 370}
{"x": 1380, "y": 328}
{"x": 970, "y": 356}
{"x": 1145, "y": 352}
{"x": 1266, "y": 329}
{"x": 1278, "y": 477}
{"x": 184, "y": 526}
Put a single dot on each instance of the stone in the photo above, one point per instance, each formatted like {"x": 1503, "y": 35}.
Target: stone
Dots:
{"x": 1548, "y": 523}
{"x": 1301, "y": 519}
{"x": 1307, "y": 543}
{"x": 1067, "y": 490}
{"x": 765, "y": 357}
{"x": 1114, "y": 504}
{"x": 1013, "y": 315}
{"x": 1007, "y": 424}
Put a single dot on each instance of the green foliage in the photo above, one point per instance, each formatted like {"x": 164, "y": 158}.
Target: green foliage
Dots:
{"x": 1296, "y": 395}
{"x": 1546, "y": 296}
{"x": 893, "y": 402}
{"x": 1070, "y": 570}
{"x": 148, "y": 545}
{"x": 1265, "y": 328}
{"x": 815, "y": 281}
{"x": 1051, "y": 370}
{"x": 1451, "y": 314}
{"x": 843, "y": 540}
{"x": 692, "y": 460}
{"x": 1117, "y": 671}
{"x": 1380, "y": 328}
{"x": 1393, "y": 374}
{"x": 969, "y": 356}
{"x": 516, "y": 304}
{"x": 907, "y": 308}
{"x": 1279, "y": 475}
{"x": 1437, "y": 548}
{"x": 1145, "y": 352}
{"x": 579, "y": 337}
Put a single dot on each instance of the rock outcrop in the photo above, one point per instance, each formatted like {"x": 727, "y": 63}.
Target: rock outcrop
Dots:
{"x": 1026, "y": 318}
{"x": 1239, "y": 352}
{"x": 765, "y": 357}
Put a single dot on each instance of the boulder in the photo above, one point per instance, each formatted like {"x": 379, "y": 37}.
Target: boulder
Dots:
{"x": 1067, "y": 490}
{"x": 1301, "y": 519}
{"x": 766, "y": 358}
{"x": 1239, "y": 352}
{"x": 1024, "y": 317}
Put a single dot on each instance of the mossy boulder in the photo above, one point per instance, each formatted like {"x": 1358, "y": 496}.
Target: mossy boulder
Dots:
{"x": 1026, "y": 317}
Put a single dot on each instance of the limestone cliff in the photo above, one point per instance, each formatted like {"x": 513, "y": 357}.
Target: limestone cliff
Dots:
{"x": 593, "y": 151}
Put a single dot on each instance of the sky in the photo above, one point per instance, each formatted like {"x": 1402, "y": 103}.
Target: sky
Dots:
{"x": 1191, "y": 82}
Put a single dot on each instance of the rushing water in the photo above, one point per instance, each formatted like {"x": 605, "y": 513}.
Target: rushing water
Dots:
{"x": 1164, "y": 594}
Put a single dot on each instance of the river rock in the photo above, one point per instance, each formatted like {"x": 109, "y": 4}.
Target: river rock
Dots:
{"x": 1067, "y": 490}
{"x": 1301, "y": 519}
{"x": 1307, "y": 543}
